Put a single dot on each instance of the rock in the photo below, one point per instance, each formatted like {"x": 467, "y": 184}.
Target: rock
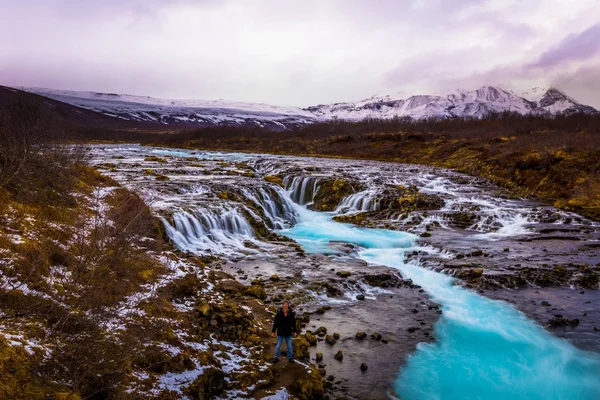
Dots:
{"x": 331, "y": 192}
{"x": 310, "y": 338}
{"x": 546, "y": 304}
{"x": 477, "y": 253}
{"x": 376, "y": 335}
{"x": 301, "y": 348}
{"x": 339, "y": 355}
{"x": 256, "y": 291}
{"x": 321, "y": 310}
{"x": 559, "y": 321}
{"x": 274, "y": 278}
{"x": 274, "y": 179}
{"x": 330, "y": 340}
{"x": 321, "y": 331}
{"x": 384, "y": 341}
{"x": 360, "y": 297}
{"x": 382, "y": 280}
{"x": 361, "y": 335}
{"x": 208, "y": 385}
{"x": 343, "y": 274}
{"x": 471, "y": 274}
{"x": 363, "y": 367}
{"x": 336, "y": 335}
{"x": 319, "y": 357}
{"x": 425, "y": 235}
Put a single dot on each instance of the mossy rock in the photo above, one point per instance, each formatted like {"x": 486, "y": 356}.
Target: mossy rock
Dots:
{"x": 331, "y": 192}
{"x": 310, "y": 338}
{"x": 275, "y": 179}
{"x": 330, "y": 340}
{"x": 256, "y": 291}
{"x": 228, "y": 196}
{"x": 155, "y": 159}
{"x": 361, "y": 335}
{"x": 343, "y": 274}
{"x": 275, "y": 278}
{"x": 321, "y": 331}
{"x": 381, "y": 280}
{"x": 355, "y": 219}
{"x": 376, "y": 336}
{"x": 339, "y": 355}
{"x": 471, "y": 274}
{"x": 310, "y": 386}
{"x": 321, "y": 310}
{"x": 301, "y": 348}
{"x": 208, "y": 385}
{"x": 319, "y": 356}
{"x": 587, "y": 280}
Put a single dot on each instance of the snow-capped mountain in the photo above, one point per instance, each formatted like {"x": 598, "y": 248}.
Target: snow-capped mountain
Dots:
{"x": 181, "y": 113}
{"x": 461, "y": 103}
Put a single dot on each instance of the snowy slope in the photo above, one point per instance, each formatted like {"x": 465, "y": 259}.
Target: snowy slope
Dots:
{"x": 180, "y": 112}
{"x": 461, "y": 103}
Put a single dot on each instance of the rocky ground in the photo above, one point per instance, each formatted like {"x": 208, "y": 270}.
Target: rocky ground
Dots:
{"x": 325, "y": 293}
{"x": 502, "y": 246}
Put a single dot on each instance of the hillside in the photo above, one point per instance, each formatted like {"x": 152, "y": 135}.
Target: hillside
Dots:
{"x": 94, "y": 303}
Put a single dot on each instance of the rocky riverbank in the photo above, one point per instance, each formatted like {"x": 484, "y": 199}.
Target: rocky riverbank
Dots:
{"x": 238, "y": 206}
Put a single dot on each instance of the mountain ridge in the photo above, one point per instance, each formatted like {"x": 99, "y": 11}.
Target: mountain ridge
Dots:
{"x": 477, "y": 103}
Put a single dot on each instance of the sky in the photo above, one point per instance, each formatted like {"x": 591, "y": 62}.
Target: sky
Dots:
{"x": 300, "y": 53}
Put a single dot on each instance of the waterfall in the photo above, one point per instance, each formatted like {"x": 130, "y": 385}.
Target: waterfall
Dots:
{"x": 276, "y": 205}
{"x": 362, "y": 201}
{"x": 216, "y": 230}
{"x": 302, "y": 189}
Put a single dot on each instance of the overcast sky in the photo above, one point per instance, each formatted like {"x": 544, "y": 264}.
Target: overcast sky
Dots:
{"x": 300, "y": 53}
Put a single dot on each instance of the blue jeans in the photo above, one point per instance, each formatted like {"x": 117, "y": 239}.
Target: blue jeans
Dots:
{"x": 288, "y": 341}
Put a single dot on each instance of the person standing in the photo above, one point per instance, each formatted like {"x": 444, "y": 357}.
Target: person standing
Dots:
{"x": 285, "y": 326}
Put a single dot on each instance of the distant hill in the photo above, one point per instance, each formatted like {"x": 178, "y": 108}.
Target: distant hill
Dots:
{"x": 158, "y": 113}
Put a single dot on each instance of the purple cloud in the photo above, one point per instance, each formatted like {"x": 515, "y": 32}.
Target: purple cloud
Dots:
{"x": 574, "y": 47}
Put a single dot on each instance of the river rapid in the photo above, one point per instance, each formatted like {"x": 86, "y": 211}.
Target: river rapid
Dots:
{"x": 482, "y": 348}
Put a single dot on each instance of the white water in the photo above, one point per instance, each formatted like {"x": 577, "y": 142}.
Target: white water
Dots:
{"x": 484, "y": 349}
{"x": 210, "y": 230}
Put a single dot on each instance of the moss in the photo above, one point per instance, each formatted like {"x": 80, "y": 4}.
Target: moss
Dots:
{"x": 361, "y": 335}
{"x": 256, "y": 291}
{"x": 355, "y": 219}
{"x": 471, "y": 274}
{"x": 275, "y": 180}
{"x": 310, "y": 386}
{"x": 331, "y": 192}
{"x": 310, "y": 338}
{"x": 343, "y": 274}
{"x": 155, "y": 159}
{"x": 208, "y": 385}
{"x": 301, "y": 348}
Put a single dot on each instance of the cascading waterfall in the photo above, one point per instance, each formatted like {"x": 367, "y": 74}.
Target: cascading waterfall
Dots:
{"x": 215, "y": 230}
{"x": 366, "y": 200}
{"x": 302, "y": 189}
{"x": 276, "y": 205}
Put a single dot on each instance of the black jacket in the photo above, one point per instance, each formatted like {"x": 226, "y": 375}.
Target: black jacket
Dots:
{"x": 284, "y": 325}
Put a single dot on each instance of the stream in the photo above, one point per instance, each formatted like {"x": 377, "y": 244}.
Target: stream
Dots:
{"x": 482, "y": 348}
